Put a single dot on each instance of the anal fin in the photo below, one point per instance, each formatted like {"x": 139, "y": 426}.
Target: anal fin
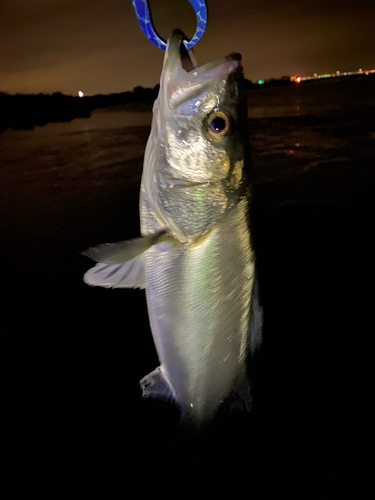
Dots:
{"x": 154, "y": 385}
{"x": 255, "y": 331}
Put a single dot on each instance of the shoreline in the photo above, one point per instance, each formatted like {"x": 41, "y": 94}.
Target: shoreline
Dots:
{"x": 27, "y": 111}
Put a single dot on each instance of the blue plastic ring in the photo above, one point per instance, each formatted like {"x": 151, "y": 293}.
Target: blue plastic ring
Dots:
{"x": 142, "y": 12}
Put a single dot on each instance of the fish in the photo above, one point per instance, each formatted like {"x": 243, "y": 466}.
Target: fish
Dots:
{"x": 195, "y": 257}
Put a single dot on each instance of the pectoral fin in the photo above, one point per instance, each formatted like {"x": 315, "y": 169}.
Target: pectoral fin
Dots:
{"x": 130, "y": 274}
{"x": 118, "y": 253}
{"x": 121, "y": 265}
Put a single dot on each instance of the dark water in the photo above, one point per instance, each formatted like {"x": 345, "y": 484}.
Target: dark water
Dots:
{"x": 73, "y": 356}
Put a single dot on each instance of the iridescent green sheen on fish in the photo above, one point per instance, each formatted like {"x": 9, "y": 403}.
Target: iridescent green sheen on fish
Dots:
{"x": 198, "y": 267}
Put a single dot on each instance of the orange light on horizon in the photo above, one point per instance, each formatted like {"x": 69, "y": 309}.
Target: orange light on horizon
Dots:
{"x": 295, "y": 78}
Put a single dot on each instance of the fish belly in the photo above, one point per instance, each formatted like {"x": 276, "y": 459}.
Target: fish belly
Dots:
{"x": 198, "y": 298}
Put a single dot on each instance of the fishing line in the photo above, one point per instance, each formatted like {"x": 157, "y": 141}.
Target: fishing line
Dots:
{"x": 142, "y": 12}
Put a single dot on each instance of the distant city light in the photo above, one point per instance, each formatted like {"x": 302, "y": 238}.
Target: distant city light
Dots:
{"x": 80, "y": 93}
{"x": 333, "y": 75}
{"x": 296, "y": 78}
{"x": 260, "y": 82}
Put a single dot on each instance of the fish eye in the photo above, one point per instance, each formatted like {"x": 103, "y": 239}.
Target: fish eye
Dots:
{"x": 218, "y": 124}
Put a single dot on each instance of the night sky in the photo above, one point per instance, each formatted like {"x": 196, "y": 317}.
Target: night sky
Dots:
{"x": 97, "y": 46}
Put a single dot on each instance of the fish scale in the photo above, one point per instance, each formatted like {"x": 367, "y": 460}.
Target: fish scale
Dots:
{"x": 195, "y": 257}
{"x": 201, "y": 341}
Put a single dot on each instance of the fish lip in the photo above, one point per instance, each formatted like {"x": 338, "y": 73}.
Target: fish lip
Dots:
{"x": 179, "y": 58}
{"x": 183, "y": 66}
{"x": 183, "y": 79}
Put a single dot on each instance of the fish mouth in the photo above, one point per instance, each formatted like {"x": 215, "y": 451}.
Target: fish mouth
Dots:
{"x": 185, "y": 76}
{"x": 177, "y": 54}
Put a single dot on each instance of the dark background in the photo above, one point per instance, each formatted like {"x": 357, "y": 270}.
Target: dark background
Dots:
{"x": 75, "y": 424}
{"x": 72, "y": 356}
{"x": 98, "y": 47}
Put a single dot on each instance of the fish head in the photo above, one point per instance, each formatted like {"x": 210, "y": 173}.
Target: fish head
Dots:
{"x": 199, "y": 141}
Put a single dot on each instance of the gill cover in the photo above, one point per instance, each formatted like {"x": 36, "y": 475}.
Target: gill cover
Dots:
{"x": 195, "y": 154}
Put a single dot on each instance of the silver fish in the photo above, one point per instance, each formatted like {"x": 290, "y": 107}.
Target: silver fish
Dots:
{"x": 195, "y": 257}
